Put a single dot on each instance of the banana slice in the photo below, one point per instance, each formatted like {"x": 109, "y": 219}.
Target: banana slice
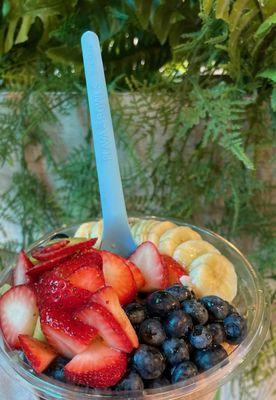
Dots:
{"x": 97, "y": 232}
{"x": 158, "y": 229}
{"x": 213, "y": 274}
{"x": 186, "y": 252}
{"x": 84, "y": 230}
{"x": 134, "y": 230}
{"x": 174, "y": 237}
{"x": 139, "y": 231}
{"x": 149, "y": 224}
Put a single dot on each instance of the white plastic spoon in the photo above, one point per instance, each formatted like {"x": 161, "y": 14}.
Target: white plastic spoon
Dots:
{"x": 117, "y": 236}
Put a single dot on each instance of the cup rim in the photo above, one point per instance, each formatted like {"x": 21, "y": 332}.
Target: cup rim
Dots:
{"x": 217, "y": 376}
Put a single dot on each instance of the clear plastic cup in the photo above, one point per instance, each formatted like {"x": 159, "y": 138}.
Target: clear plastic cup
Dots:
{"x": 251, "y": 301}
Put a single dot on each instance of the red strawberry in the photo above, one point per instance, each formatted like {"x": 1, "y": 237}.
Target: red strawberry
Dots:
{"x": 20, "y": 271}
{"x": 45, "y": 266}
{"x": 49, "y": 249}
{"x": 174, "y": 268}
{"x": 18, "y": 313}
{"x": 47, "y": 255}
{"x": 86, "y": 258}
{"x": 137, "y": 275}
{"x": 99, "y": 366}
{"x": 54, "y": 291}
{"x": 39, "y": 354}
{"x": 118, "y": 275}
{"x": 68, "y": 336}
{"x": 148, "y": 259}
{"x": 108, "y": 298}
{"x": 108, "y": 328}
{"x": 89, "y": 278}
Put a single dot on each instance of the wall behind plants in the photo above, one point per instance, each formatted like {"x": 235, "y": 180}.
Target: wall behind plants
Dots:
{"x": 196, "y": 127}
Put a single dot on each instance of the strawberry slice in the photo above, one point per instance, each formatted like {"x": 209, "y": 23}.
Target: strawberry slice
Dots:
{"x": 99, "y": 366}
{"x": 49, "y": 249}
{"x": 54, "y": 291}
{"x": 64, "y": 250}
{"x": 39, "y": 354}
{"x": 18, "y": 314}
{"x": 87, "y": 258}
{"x": 20, "y": 271}
{"x": 108, "y": 298}
{"x": 108, "y": 328}
{"x": 174, "y": 268}
{"x": 148, "y": 259}
{"x": 137, "y": 275}
{"x": 118, "y": 275}
{"x": 68, "y": 336}
{"x": 89, "y": 278}
{"x": 45, "y": 266}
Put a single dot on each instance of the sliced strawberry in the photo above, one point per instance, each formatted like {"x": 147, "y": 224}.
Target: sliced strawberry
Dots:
{"x": 54, "y": 291}
{"x": 87, "y": 258}
{"x": 108, "y": 328}
{"x": 49, "y": 249}
{"x": 20, "y": 271}
{"x": 89, "y": 278}
{"x": 18, "y": 313}
{"x": 68, "y": 336}
{"x": 108, "y": 298}
{"x": 99, "y": 366}
{"x": 174, "y": 268}
{"x": 118, "y": 275}
{"x": 45, "y": 266}
{"x": 39, "y": 354}
{"x": 148, "y": 259}
{"x": 137, "y": 275}
{"x": 40, "y": 255}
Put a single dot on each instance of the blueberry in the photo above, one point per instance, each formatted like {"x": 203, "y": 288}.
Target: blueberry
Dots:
{"x": 218, "y": 332}
{"x": 160, "y": 303}
{"x": 183, "y": 371}
{"x": 151, "y": 332}
{"x": 216, "y": 306}
{"x": 59, "y": 236}
{"x": 180, "y": 292}
{"x": 178, "y": 324}
{"x": 196, "y": 310}
{"x": 175, "y": 350}
{"x": 131, "y": 381}
{"x": 56, "y": 369}
{"x": 208, "y": 358}
{"x": 235, "y": 328}
{"x": 149, "y": 362}
{"x": 200, "y": 337}
{"x": 158, "y": 383}
{"x": 136, "y": 313}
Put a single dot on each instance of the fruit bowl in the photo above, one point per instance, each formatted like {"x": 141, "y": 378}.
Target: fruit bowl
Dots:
{"x": 251, "y": 301}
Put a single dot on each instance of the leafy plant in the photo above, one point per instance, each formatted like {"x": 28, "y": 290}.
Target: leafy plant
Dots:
{"x": 192, "y": 88}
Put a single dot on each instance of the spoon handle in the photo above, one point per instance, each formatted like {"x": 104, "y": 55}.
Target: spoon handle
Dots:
{"x": 116, "y": 235}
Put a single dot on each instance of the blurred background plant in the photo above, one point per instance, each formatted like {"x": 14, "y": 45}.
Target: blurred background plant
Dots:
{"x": 193, "y": 91}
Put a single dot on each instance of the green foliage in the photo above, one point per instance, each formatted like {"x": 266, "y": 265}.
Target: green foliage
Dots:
{"x": 192, "y": 86}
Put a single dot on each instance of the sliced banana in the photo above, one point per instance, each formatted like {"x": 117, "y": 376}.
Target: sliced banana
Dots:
{"x": 90, "y": 230}
{"x": 186, "y": 252}
{"x": 157, "y": 230}
{"x": 84, "y": 230}
{"x": 139, "y": 231}
{"x": 134, "y": 229}
{"x": 213, "y": 274}
{"x": 97, "y": 232}
{"x": 174, "y": 237}
{"x": 149, "y": 224}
